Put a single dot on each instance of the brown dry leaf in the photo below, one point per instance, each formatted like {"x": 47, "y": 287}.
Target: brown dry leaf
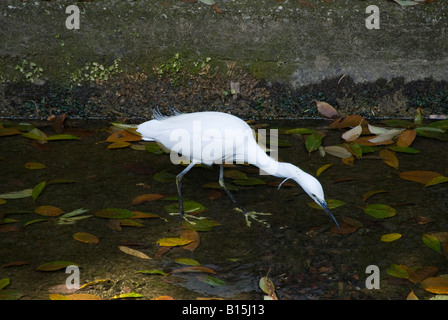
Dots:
{"x": 419, "y": 176}
{"x": 215, "y": 194}
{"x": 14, "y": 264}
{"x": 85, "y": 237}
{"x": 406, "y": 138}
{"x": 350, "y": 121}
{"x": 412, "y": 296}
{"x": 56, "y": 124}
{"x": 49, "y": 211}
{"x": 147, "y": 197}
{"x": 161, "y": 252}
{"x": 389, "y": 158}
{"x": 426, "y": 272}
{"x": 326, "y": 110}
{"x": 437, "y": 285}
{"x": 114, "y": 224}
{"x": 134, "y": 252}
{"x": 345, "y": 228}
{"x": 348, "y": 161}
{"x": 191, "y": 235}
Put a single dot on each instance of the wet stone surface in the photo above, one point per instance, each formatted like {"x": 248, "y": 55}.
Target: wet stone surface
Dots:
{"x": 300, "y": 252}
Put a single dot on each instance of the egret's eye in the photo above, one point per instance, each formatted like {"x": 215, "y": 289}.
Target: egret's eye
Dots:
{"x": 313, "y": 195}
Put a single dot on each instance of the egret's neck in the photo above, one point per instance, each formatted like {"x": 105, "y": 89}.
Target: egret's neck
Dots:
{"x": 272, "y": 167}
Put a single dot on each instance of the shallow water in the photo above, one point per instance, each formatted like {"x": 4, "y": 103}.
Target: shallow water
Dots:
{"x": 299, "y": 251}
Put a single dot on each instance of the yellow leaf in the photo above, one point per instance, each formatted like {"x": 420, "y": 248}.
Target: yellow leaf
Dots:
{"x": 85, "y": 237}
{"x": 323, "y": 168}
{"x": 35, "y": 165}
{"x": 56, "y": 296}
{"x": 83, "y": 296}
{"x": 118, "y": 144}
{"x": 172, "y": 242}
{"x": 438, "y": 285}
{"x": 390, "y": 237}
{"x": 49, "y": 211}
{"x": 412, "y": 296}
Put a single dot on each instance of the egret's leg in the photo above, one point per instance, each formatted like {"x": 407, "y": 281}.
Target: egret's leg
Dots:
{"x": 179, "y": 186}
{"x": 222, "y": 184}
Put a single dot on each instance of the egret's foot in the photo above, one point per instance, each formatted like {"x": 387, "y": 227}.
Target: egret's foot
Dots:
{"x": 186, "y": 216}
{"x": 254, "y": 215}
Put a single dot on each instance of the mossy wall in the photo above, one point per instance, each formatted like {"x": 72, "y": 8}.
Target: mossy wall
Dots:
{"x": 279, "y": 41}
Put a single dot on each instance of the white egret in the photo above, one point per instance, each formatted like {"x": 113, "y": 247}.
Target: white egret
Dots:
{"x": 218, "y": 138}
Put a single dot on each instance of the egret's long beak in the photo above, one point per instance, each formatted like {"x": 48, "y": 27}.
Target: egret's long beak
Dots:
{"x": 324, "y": 205}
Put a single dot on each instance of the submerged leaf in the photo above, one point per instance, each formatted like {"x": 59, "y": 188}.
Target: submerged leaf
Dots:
{"x": 380, "y": 211}
{"x": 332, "y": 204}
{"x": 187, "y": 261}
{"x": 49, "y": 211}
{"x": 406, "y": 138}
{"x": 313, "y": 142}
{"x": 419, "y": 176}
{"x": 249, "y": 182}
{"x": 323, "y": 168}
{"x": 390, "y": 237}
{"x": 134, "y": 252}
{"x": 114, "y": 213}
{"x": 17, "y": 194}
{"x": 173, "y": 242}
{"x": 55, "y": 265}
{"x": 147, "y": 197}
{"x": 438, "y": 285}
{"x": 389, "y": 158}
{"x": 38, "y": 189}
{"x": 85, "y": 237}
{"x": 35, "y": 165}
{"x": 62, "y": 137}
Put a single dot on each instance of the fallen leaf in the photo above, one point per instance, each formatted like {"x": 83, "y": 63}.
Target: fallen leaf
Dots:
{"x": 352, "y": 134}
{"x": 390, "y": 237}
{"x": 406, "y": 138}
{"x": 418, "y": 176}
{"x": 128, "y": 295}
{"x": 350, "y": 121}
{"x": 49, "y": 211}
{"x": 55, "y": 265}
{"x": 380, "y": 211}
{"x": 332, "y": 204}
{"x": 438, "y": 285}
{"x": 187, "y": 261}
{"x": 194, "y": 269}
{"x": 118, "y": 144}
{"x": 389, "y": 158}
{"x": 172, "y": 242}
{"x": 123, "y": 136}
{"x": 235, "y": 174}
{"x": 326, "y": 110}
{"x": 337, "y": 151}
{"x": 386, "y": 136}
{"x": 163, "y": 298}
{"x": 313, "y": 142}
{"x": 190, "y": 235}
{"x": 114, "y": 213}
{"x": 37, "y": 190}
{"x": 200, "y": 225}
{"x": 17, "y": 194}
{"x": 147, "y": 197}
{"x": 323, "y": 168}
{"x": 35, "y": 165}
{"x": 62, "y": 137}
{"x": 403, "y": 149}
{"x": 369, "y": 194}
{"x": 411, "y": 296}
{"x": 83, "y": 296}
{"x": 134, "y": 252}
{"x": 436, "y": 180}
{"x": 214, "y": 282}
{"x": 86, "y": 237}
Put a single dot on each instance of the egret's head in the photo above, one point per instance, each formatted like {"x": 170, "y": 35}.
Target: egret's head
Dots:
{"x": 314, "y": 189}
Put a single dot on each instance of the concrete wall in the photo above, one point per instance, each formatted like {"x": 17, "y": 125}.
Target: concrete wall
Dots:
{"x": 274, "y": 40}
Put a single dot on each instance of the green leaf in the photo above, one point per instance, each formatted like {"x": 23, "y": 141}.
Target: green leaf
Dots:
{"x": 403, "y": 149}
{"x": 235, "y": 174}
{"x": 332, "y": 204}
{"x": 17, "y": 194}
{"x": 54, "y": 265}
{"x": 128, "y": 295}
{"x": 313, "y": 142}
{"x": 4, "y": 282}
{"x": 214, "y": 282}
{"x": 34, "y": 221}
{"x": 187, "y": 262}
{"x": 432, "y": 242}
{"x": 154, "y": 148}
{"x": 300, "y": 131}
{"x": 35, "y": 134}
{"x": 165, "y": 176}
{"x": 173, "y": 242}
{"x": 38, "y": 189}
{"x": 114, "y": 213}
{"x": 398, "y": 271}
{"x": 63, "y": 137}
{"x": 200, "y": 225}
{"x": 380, "y": 211}
{"x": 151, "y": 272}
{"x": 436, "y": 180}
